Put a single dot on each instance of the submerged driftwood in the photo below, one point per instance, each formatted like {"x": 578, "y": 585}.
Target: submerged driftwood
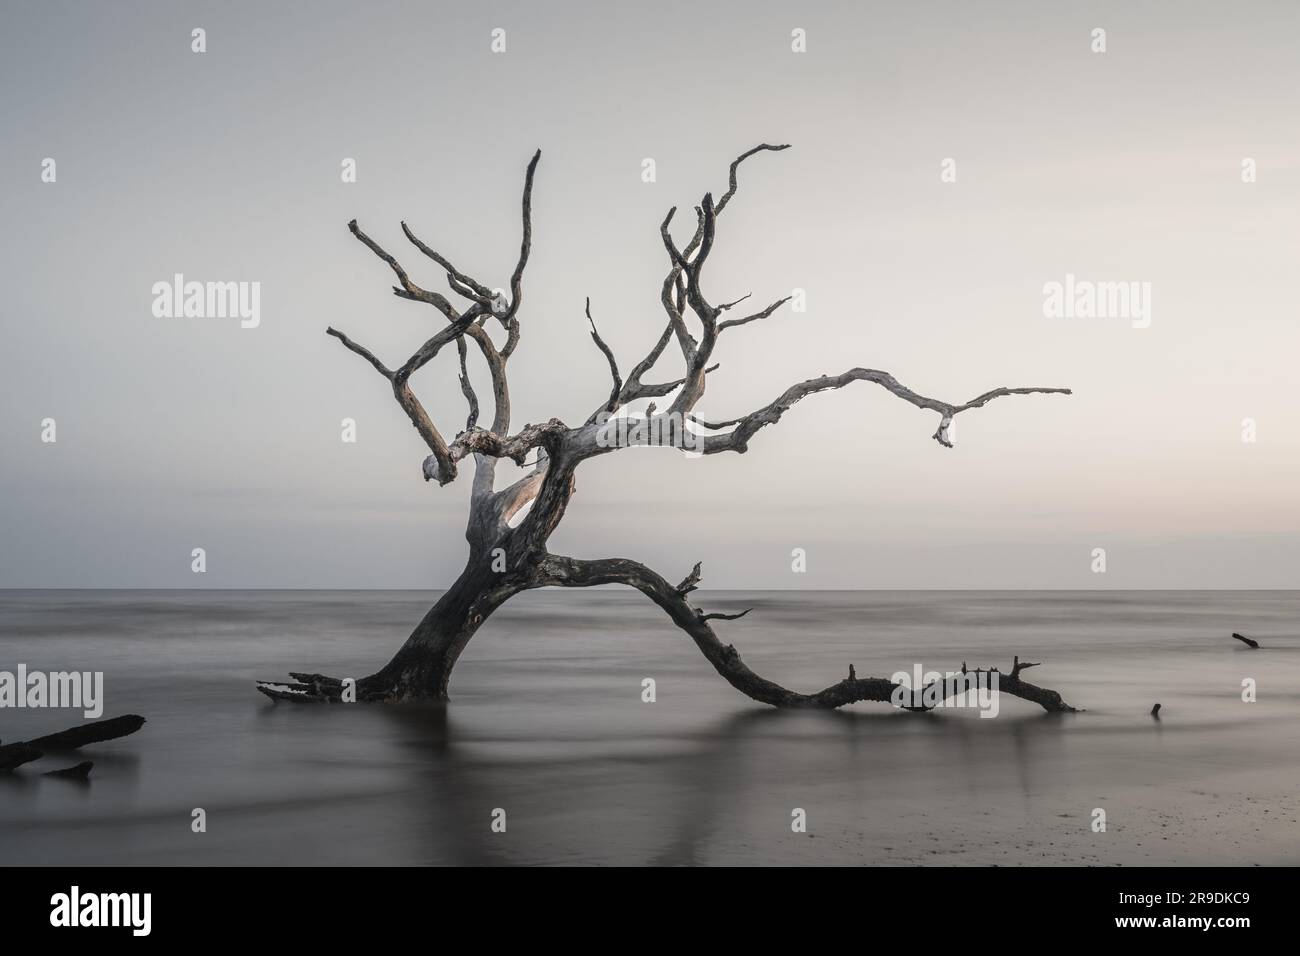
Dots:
{"x": 317, "y": 688}
{"x": 91, "y": 733}
{"x": 15, "y": 755}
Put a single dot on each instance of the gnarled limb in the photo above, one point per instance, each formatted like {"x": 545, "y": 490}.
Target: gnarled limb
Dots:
{"x": 557, "y": 571}
{"x": 516, "y": 447}
{"x": 743, "y": 428}
{"x": 595, "y": 438}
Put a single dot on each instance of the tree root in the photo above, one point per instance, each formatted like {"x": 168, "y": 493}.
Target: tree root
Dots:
{"x": 317, "y": 689}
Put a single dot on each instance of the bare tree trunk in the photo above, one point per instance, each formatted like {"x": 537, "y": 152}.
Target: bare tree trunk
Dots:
{"x": 421, "y": 669}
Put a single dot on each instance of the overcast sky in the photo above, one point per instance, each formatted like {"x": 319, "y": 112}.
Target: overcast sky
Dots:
{"x": 177, "y": 433}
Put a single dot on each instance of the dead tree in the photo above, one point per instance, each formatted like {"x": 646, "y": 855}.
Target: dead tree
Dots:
{"x": 509, "y": 527}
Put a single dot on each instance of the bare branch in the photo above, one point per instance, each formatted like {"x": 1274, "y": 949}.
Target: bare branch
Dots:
{"x": 702, "y": 238}
{"x": 731, "y": 178}
{"x": 719, "y": 616}
{"x": 731, "y": 305}
{"x": 433, "y": 346}
{"x": 673, "y": 282}
{"x": 439, "y": 466}
{"x": 699, "y": 305}
{"x": 674, "y": 292}
{"x": 467, "y": 324}
{"x": 697, "y": 354}
{"x": 1017, "y": 666}
{"x": 673, "y": 307}
{"x": 525, "y": 246}
{"x": 462, "y": 283}
{"x": 999, "y": 392}
{"x": 496, "y": 362}
{"x": 408, "y": 290}
{"x": 634, "y": 377}
{"x": 556, "y": 571}
{"x": 745, "y": 426}
{"x": 730, "y": 323}
{"x": 466, "y": 388}
{"x": 613, "y": 401}
{"x": 365, "y": 353}
{"x": 690, "y": 581}
{"x": 446, "y": 468}
{"x": 673, "y": 252}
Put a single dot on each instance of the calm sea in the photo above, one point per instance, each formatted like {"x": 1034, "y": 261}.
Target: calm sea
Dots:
{"x": 547, "y": 724}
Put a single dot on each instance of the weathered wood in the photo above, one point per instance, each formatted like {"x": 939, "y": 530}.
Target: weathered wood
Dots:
{"x": 15, "y": 755}
{"x": 91, "y": 733}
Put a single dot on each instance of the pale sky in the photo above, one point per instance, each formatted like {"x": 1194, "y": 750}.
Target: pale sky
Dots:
{"x": 178, "y": 433}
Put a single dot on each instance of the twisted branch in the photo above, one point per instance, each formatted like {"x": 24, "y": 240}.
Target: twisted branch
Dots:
{"x": 558, "y": 571}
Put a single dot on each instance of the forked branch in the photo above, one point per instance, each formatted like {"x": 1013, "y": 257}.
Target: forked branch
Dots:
{"x": 440, "y": 466}
{"x": 744, "y": 428}
{"x": 558, "y": 571}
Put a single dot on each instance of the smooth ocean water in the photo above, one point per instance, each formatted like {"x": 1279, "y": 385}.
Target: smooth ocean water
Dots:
{"x": 547, "y": 723}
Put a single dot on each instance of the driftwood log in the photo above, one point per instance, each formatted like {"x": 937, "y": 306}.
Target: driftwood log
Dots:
{"x": 15, "y": 755}
{"x": 1253, "y": 645}
{"x": 97, "y": 731}
{"x": 509, "y": 527}
{"x": 92, "y": 733}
